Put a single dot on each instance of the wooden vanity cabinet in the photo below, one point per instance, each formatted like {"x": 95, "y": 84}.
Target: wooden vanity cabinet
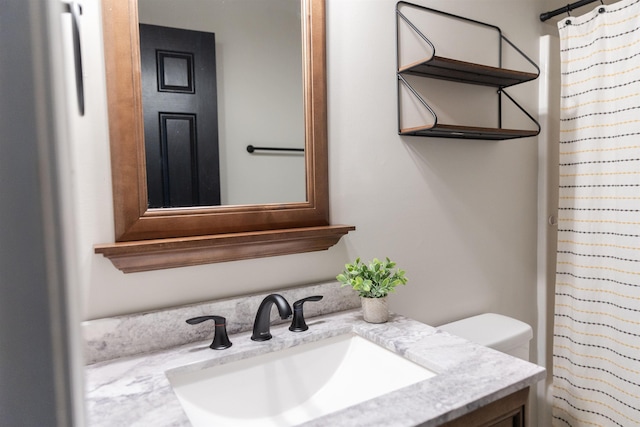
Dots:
{"x": 507, "y": 412}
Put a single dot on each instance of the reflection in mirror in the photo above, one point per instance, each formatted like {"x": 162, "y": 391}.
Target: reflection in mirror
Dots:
{"x": 218, "y": 76}
{"x": 149, "y": 239}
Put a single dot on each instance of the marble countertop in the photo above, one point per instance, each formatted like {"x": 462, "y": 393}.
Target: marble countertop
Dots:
{"x": 134, "y": 391}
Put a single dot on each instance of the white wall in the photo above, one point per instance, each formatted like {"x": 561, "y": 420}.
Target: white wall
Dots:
{"x": 459, "y": 216}
{"x": 548, "y": 150}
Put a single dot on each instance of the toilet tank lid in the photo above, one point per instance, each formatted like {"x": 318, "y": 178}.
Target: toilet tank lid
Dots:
{"x": 492, "y": 330}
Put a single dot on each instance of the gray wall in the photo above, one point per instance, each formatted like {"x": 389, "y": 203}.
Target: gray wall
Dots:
{"x": 35, "y": 372}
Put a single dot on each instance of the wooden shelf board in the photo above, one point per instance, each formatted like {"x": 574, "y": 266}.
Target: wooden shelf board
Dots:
{"x": 156, "y": 254}
{"x": 467, "y": 132}
{"x": 467, "y": 72}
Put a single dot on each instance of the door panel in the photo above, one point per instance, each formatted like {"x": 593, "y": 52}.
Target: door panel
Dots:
{"x": 180, "y": 116}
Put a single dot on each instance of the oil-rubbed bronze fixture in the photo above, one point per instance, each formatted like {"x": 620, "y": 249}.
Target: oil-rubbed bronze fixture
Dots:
{"x": 220, "y": 337}
{"x": 298, "y": 324}
{"x": 262, "y": 323}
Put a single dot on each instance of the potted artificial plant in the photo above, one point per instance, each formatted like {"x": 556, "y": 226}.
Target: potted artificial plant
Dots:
{"x": 373, "y": 282}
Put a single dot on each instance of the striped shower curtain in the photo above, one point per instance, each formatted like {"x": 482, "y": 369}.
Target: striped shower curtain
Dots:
{"x": 596, "y": 349}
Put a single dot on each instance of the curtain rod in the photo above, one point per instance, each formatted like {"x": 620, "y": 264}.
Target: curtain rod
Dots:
{"x": 566, "y": 9}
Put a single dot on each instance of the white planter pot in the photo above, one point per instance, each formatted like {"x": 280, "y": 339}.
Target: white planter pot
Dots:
{"x": 375, "y": 310}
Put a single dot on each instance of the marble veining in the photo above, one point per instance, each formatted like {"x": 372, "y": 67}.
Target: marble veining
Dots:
{"x": 134, "y": 390}
{"x": 141, "y": 333}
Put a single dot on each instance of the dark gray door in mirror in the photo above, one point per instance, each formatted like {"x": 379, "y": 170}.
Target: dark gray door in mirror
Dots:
{"x": 260, "y": 86}
{"x": 180, "y": 116}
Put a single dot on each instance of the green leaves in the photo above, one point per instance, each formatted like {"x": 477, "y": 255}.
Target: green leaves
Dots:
{"x": 373, "y": 280}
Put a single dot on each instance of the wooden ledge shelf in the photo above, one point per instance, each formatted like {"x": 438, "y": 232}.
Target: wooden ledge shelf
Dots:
{"x": 468, "y": 132}
{"x": 147, "y": 255}
{"x": 467, "y": 72}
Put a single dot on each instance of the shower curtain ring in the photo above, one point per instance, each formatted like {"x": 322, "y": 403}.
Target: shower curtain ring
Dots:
{"x": 568, "y": 21}
{"x": 602, "y": 9}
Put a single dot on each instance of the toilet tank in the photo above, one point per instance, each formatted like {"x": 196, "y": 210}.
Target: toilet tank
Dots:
{"x": 496, "y": 331}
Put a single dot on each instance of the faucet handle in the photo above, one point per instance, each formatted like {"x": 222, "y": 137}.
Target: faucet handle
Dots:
{"x": 298, "y": 324}
{"x": 220, "y": 337}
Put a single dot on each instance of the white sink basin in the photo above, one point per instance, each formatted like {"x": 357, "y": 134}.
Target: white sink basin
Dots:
{"x": 294, "y": 385}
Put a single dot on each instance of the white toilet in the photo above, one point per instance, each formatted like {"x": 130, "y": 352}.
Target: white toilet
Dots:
{"x": 496, "y": 331}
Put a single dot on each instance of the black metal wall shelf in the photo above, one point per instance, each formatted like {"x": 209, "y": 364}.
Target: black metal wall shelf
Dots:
{"x": 438, "y": 67}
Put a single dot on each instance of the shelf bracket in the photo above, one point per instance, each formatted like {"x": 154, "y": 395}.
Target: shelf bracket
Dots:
{"x": 504, "y": 92}
{"x": 403, "y": 81}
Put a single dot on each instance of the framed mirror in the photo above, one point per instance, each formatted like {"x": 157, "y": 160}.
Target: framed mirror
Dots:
{"x": 153, "y": 238}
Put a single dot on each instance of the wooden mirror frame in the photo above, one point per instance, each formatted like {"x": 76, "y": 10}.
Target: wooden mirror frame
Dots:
{"x": 149, "y": 239}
